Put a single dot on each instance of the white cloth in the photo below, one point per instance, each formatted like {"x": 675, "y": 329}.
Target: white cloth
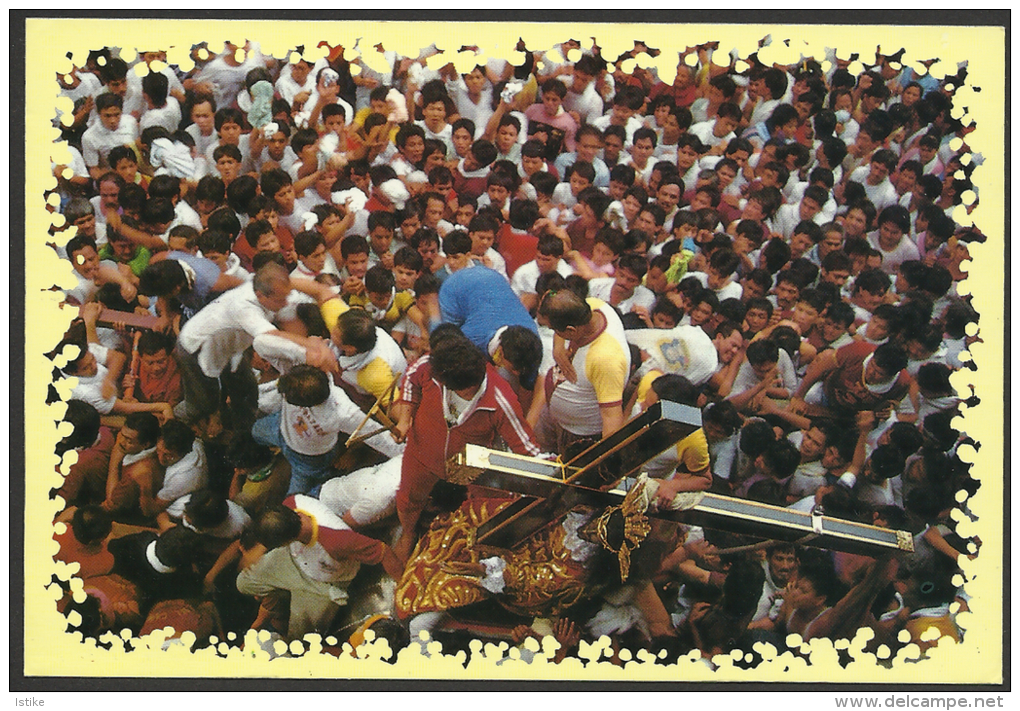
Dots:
{"x": 368, "y": 494}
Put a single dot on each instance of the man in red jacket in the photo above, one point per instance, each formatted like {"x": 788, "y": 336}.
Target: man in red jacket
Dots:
{"x": 450, "y": 398}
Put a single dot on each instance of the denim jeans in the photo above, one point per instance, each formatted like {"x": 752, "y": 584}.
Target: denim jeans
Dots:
{"x": 307, "y": 472}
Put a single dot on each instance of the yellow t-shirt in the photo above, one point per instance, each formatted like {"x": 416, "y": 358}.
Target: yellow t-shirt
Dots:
{"x": 332, "y": 310}
{"x": 692, "y": 451}
{"x": 402, "y": 302}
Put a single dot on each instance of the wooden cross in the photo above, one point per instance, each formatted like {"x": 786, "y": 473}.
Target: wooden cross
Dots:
{"x": 550, "y": 489}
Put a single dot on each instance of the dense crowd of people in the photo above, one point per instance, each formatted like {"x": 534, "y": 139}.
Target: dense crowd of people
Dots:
{"x": 305, "y": 284}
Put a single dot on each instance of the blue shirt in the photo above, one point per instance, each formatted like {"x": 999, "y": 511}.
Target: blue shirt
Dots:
{"x": 480, "y": 301}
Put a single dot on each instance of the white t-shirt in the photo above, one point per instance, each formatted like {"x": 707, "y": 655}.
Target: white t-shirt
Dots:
{"x": 313, "y": 430}
{"x": 368, "y": 494}
{"x": 601, "y": 366}
{"x": 98, "y": 141}
{"x": 686, "y": 350}
{"x": 525, "y": 279}
{"x": 601, "y": 287}
{"x": 225, "y": 328}
{"x": 185, "y": 476}
{"x": 90, "y": 389}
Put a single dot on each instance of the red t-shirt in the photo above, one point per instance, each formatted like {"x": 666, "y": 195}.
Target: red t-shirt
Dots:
{"x": 845, "y": 386}
{"x": 517, "y": 248}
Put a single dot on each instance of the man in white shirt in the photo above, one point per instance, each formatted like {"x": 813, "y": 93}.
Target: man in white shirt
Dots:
{"x": 211, "y": 350}
{"x": 113, "y": 129}
{"x": 624, "y": 289}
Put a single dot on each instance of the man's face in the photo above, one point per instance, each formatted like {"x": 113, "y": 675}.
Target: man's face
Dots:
{"x": 357, "y": 265}
{"x": 726, "y": 176}
{"x": 166, "y": 456}
{"x": 123, "y": 249}
{"x": 799, "y": 244}
{"x": 911, "y": 95}
{"x": 578, "y": 183}
{"x": 457, "y": 262}
{"x": 727, "y": 347}
{"x": 414, "y": 149}
{"x": 752, "y": 211}
{"x": 268, "y": 242}
{"x": 809, "y": 208}
{"x": 284, "y": 198}
{"x": 404, "y": 277}
{"x": 551, "y": 101}
{"x": 230, "y": 133}
{"x": 218, "y": 258}
{"x": 836, "y": 276}
{"x": 879, "y": 172}
{"x": 532, "y": 164}
{"x": 547, "y": 263}
{"x": 867, "y": 300}
{"x": 475, "y": 81}
{"x": 782, "y": 566}
{"x": 129, "y": 441}
{"x": 277, "y": 146}
{"x": 202, "y": 116}
{"x": 434, "y": 114}
{"x": 462, "y": 139}
{"x": 335, "y": 124}
{"x": 889, "y": 235}
{"x": 588, "y": 147}
{"x": 646, "y": 223}
{"x": 110, "y": 117}
{"x": 642, "y": 150}
{"x": 905, "y": 182}
{"x": 612, "y": 148}
{"x": 831, "y": 241}
{"x": 380, "y": 239}
{"x": 506, "y": 137}
{"x": 786, "y": 295}
{"x": 812, "y": 445}
{"x": 855, "y": 223}
{"x": 621, "y": 114}
{"x": 299, "y": 72}
{"x": 86, "y": 225}
{"x": 685, "y": 158}
{"x": 228, "y": 168}
{"x": 464, "y": 214}
{"x": 481, "y": 241}
{"x": 668, "y": 197}
{"x": 757, "y": 319}
{"x": 700, "y": 201}
{"x": 428, "y": 251}
{"x": 724, "y": 126}
{"x": 831, "y": 330}
{"x": 126, "y": 169}
{"x": 410, "y": 225}
{"x": 497, "y": 195}
{"x": 379, "y": 299}
{"x": 716, "y": 279}
{"x": 580, "y": 81}
{"x": 434, "y": 212}
{"x": 625, "y": 282}
{"x": 763, "y": 370}
{"x": 316, "y": 261}
{"x": 118, "y": 87}
{"x": 874, "y": 374}
{"x": 277, "y": 299}
{"x": 86, "y": 262}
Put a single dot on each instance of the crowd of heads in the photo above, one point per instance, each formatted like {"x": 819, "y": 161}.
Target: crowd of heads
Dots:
{"x": 802, "y": 228}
